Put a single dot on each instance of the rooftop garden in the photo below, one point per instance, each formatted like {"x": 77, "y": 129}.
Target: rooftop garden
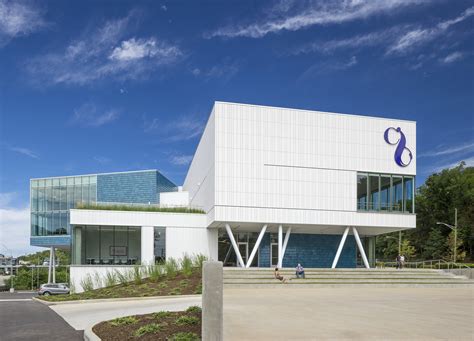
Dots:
{"x": 137, "y": 207}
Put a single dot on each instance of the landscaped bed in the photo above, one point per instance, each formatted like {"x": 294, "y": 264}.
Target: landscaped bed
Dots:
{"x": 155, "y": 280}
{"x": 163, "y": 325}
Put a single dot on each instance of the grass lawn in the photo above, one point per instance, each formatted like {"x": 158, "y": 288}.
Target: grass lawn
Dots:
{"x": 163, "y": 325}
{"x": 177, "y": 283}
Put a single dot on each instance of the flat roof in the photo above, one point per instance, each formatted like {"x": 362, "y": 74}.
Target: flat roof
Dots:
{"x": 315, "y": 111}
{"x": 95, "y": 174}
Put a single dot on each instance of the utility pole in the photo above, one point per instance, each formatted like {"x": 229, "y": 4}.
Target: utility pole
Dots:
{"x": 455, "y": 229}
{"x": 400, "y": 242}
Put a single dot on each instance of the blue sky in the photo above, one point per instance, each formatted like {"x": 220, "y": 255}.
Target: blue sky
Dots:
{"x": 99, "y": 86}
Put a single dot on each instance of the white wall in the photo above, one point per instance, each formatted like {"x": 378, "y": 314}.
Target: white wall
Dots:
{"x": 296, "y": 166}
{"x": 147, "y": 245}
{"x": 80, "y": 272}
{"x": 191, "y": 241}
{"x": 174, "y": 198}
{"x": 200, "y": 179}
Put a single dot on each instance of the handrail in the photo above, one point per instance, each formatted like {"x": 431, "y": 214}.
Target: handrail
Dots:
{"x": 421, "y": 264}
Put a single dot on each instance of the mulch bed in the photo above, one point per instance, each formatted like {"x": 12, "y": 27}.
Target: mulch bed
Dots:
{"x": 168, "y": 326}
{"x": 164, "y": 286}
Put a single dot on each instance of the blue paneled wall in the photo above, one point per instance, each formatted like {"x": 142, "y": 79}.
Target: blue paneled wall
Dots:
{"x": 312, "y": 251}
{"x": 133, "y": 187}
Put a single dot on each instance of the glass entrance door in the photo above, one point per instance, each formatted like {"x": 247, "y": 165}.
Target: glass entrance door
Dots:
{"x": 274, "y": 254}
{"x": 244, "y": 251}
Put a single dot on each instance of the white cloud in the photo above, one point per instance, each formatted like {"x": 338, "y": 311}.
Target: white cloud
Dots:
{"x": 89, "y": 115}
{"x": 24, "y": 151}
{"x": 101, "y": 53}
{"x": 469, "y": 163}
{"x": 452, "y": 57}
{"x": 181, "y": 129}
{"x": 164, "y": 8}
{"x": 295, "y": 17}
{"x": 419, "y": 36}
{"x": 15, "y": 231}
{"x": 328, "y": 66}
{"x": 463, "y": 148}
{"x": 18, "y": 19}
{"x": 137, "y": 49}
{"x": 181, "y": 160}
{"x": 224, "y": 70}
{"x": 102, "y": 159}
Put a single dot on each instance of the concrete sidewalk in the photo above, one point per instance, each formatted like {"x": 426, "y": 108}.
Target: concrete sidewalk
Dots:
{"x": 84, "y": 315}
{"x": 349, "y": 313}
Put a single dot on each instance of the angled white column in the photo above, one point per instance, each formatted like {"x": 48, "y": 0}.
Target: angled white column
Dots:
{"x": 361, "y": 249}
{"x": 50, "y": 263}
{"x": 339, "y": 249}
{"x": 234, "y": 244}
{"x": 257, "y": 244}
{"x": 285, "y": 243}
{"x": 280, "y": 245}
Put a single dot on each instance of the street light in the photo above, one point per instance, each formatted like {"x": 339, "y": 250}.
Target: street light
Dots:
{"x": 455, "y": 229}
{"x": 399, "y": 241}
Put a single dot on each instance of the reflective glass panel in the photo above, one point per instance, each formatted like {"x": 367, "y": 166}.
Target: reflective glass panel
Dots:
{"x": 362, "y": 191}
{"x": 408, "y": 193}
{"x": 373, "y": 192}
{"x": 397, "y": 191}
{"x": 107, "y": 249}
{"x": 385, "y": 192}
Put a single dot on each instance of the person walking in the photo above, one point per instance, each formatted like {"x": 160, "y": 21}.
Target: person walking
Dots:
{"x": 402, "y": 261}
{"x": 398, "y": 262}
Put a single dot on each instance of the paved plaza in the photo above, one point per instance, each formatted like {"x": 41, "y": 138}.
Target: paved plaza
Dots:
{"x": 349, "y": 313}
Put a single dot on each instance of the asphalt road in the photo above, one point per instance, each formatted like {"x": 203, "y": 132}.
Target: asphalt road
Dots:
{"x": 21, "y": 318}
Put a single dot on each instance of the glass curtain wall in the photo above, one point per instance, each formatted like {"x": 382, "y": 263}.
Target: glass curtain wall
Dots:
{"x": 52, "y": 198}
{"x": 160, "y": 244}
{"x": 106, "y": 245}
{"x": 245, "y": 241}
{"x": 385, "y": 192}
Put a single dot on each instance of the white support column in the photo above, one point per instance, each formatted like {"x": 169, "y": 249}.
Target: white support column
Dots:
{"x": 257, "y": 244}
{"x": 147, "y": 245}
{"x": 280, "y": 245}
{"x": 234, "y": 244}
{"x": 54, "y": 265}
{"x": 339, "y": 249}
{"x": 285, "y": 243}
{"x": 361, "y": 249}
{"x": 50, "y": 263}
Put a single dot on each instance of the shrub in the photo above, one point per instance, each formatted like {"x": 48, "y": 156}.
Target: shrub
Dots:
{"x": 194, "y": 309}
{"x": 171, "y": 266}
{"x": 122, "y": 277}
{"x": 175, "y": 291}
{"x": 110, "y": 279}
{"x": 122, "y": 321}
{"x": 183, "y": 283}
{"x": 187, "y": 265}
{"x": 184, "y": 336}
{"x": 161, "y": 314}
{"x": 163, "y": 285}
{"x": 198, "y": 261}
{"x": 148, "y": 329}
{"x": 87, "y": 284}
{"x": 155, "y": 271}
{"x": 97, "y": 280}
{"x": 187, "y": 320}
{"x": 137, "y": 274}
{"x": 198, "y": 289}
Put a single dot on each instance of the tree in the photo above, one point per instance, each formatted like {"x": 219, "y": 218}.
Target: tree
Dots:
{"x": 436, "y": 245}
{"x": 407, "y": 250}
{"x": 460, "y": 254}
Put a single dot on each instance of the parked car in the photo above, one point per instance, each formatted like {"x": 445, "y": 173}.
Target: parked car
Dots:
{"x": 53, "y": 289}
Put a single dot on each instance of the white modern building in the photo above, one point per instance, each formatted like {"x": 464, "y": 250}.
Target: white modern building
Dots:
{"x": 277, "y": 187}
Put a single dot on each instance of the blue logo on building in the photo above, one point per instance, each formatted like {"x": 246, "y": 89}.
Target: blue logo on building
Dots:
{"x": 401, "y": 146}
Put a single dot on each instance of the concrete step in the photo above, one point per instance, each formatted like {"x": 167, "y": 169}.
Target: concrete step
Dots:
{"x": 336, "y": 275}
{"x": 349, "y": 284}
{"x": 333, "y": 280}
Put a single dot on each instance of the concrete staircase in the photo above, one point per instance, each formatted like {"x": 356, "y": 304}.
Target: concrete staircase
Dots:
{"x": 264, "y": 278}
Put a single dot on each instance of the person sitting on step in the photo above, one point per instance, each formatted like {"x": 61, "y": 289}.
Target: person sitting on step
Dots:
{"x": 299, "y": 271}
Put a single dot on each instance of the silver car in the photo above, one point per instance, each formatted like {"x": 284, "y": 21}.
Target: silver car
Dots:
{"x": 53, "y": 289}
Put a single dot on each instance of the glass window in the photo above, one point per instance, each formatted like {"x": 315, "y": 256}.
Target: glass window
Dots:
{"x": 48, "y": 224}
{"x": 34, "y": 199}
{"x": 134, "y": 245}
{"x": 77, "y": 195}
{"x": 56, "y": 198}
{"x": 41, "y": 227}
{"x": 63, "y": 198}
{"x": 85, "y": 193}
{"x": 93, "y": 192}
{"x": 92, "y": 244}
{"x": 120, "y": 251}
{"x": 362, "y": 191}
{"x": 49, "y": 195}
{"x": 41, "y": 203}
{"x": 397, "y": 193}
{"x": 160, "y": 244}
{"x": 70, "y": 196}
{"x": 385, "y": 192}
{"x": 408, "y": 193}
{"x": 85, "y": 180}
{"x": 34, "y": 224}
{"x": 63, "y": 223}
{"x": 56, "y": 223}
{"x": 373, "y": 192}
{"x": 106, "y": 245}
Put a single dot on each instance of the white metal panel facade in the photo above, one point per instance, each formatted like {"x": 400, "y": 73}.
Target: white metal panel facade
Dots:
{"x": 294, "y": 166}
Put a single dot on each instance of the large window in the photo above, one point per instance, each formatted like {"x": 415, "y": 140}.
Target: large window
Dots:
{"x": 385, "y": 192}
{"x": 160, "y": 244}
{"x": 52, "y": 198}
{"x": 101, "y": 245}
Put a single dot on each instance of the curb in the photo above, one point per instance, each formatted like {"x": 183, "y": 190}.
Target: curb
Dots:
{"x": 89, "y": 335}
{"x": 99, "y": 300}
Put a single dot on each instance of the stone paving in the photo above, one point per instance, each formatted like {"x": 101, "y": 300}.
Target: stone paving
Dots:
{"x": 349, "y": 313}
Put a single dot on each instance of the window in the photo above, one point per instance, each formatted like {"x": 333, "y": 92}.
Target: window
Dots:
{"x": 160, "y": 244}
{"x": 373, "y": 192}
{"x": 385, "y": 192}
